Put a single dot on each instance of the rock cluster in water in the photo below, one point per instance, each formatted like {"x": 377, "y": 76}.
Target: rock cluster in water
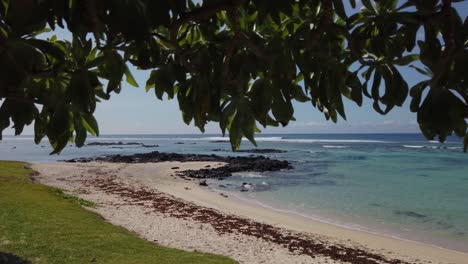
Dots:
{"x": 107, "y": 144}
{"x": 256, "y": 151}
{"x": 232, "y": 164}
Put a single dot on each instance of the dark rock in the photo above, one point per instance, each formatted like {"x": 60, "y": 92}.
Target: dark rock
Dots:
{"x": 149, "y": 146}
{"x": 175, "y": 168}
{"x": 444, "y": 225}
{"x": 203, "y": 183}
{"x": 120, "y": 144}
{"x": 222, "y": 186}
{"x": 179, "y": 143}
{"x": 256, "y": 151}
{"x": 261, "y": 151}
{"x": 410, "y": 214}
{"x": 233, "y": 164}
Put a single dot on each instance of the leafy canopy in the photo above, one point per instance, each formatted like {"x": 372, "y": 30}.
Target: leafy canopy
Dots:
{"x": 237, "y": 62}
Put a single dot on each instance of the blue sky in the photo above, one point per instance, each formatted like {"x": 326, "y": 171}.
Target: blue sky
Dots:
{"x": 134, "y": 111}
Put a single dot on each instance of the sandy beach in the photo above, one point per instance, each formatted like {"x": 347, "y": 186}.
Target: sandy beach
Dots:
{"x": 150, "y": 200}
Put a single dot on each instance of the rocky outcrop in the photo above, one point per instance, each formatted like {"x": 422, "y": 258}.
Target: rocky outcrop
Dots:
{"x": 107, "y": 144}
{"x": 255, "y": 151}
{"x": 232, "y": 164}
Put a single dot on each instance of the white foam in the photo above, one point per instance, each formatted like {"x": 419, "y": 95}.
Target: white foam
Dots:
{"x": 454, "y": 147}
{"x": 334, "y": 146}
{"x": 258, "y": 139}
{"x": 413, "y": 146}
{"x": 249, "y": 175}
{"x": 227, "y": 139}
{"x": 290, "y": 140}
{"x": 431, "y": 147}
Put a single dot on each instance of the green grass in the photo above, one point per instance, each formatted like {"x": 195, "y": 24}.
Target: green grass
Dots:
{"x": 41, "y": 224}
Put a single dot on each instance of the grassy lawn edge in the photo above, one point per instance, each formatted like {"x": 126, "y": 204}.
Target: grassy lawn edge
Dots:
{"x": 41, "y": 224}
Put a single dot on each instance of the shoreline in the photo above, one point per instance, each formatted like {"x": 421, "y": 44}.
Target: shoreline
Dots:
{"x": 160, "y": 177}
{"x": 337, "y": 223}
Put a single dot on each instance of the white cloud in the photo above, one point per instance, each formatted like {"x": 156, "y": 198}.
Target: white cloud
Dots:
{"x": 308, "y": 124}
{"x": 391, "y": 122}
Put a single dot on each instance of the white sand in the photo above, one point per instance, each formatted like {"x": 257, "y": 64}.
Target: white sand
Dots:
{"x": 194, "y": 235}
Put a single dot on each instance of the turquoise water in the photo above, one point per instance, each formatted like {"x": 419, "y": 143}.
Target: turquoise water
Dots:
{"x": 399, "y": 184}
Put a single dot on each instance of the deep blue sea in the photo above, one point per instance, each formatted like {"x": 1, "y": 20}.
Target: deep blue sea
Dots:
{"x": 394, "y": 184}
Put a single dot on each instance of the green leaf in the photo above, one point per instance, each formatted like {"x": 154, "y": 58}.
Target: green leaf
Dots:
{"x": 130, "y": 79}
{"x": 299, "y": 94}
{"x": 421, "y": 71}
{"x": 49, "y": 48}
{"x": 367, "y": 74}
{"x": 4, "y": 117}
{"x": 80, "y": 130}
{"x": 376, "y": 85}
{"x": 5, "y": 5}
{"x": 377, "y": 108}
{"x": 369, "y": 6}
{"x": 356, "y": 88}
{"x": 405, "y": 60}
{"x": 416, "y": 94}
{"x": 339, "y": 9}
{"x": 248, "y": 127}
{"x": 235, "y": 132}
{"x": 113, "y": 69}
{"x": 40, "y": 127}
{"x": 151, "y": 80}
{"x": 282, "y": 109}
{"x": 60, "y": 144}
{"x": 162, "y": 83}
{"x": 261, "y": 99}
{"x": 90, "y": 124}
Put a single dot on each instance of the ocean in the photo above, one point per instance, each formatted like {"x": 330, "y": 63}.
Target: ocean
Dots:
{"x": 398, "y": 185}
